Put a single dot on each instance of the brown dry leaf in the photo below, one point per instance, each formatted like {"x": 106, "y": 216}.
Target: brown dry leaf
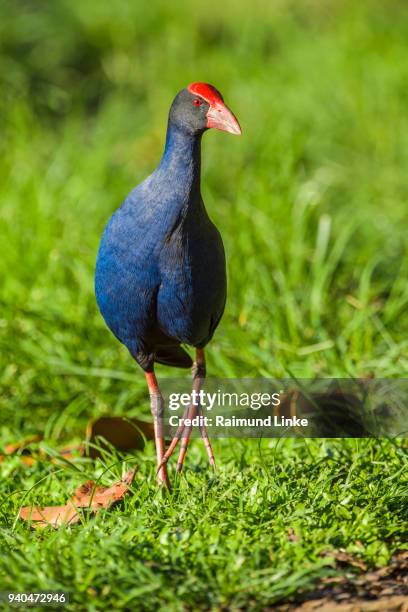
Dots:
{"x": 89, "y": 496}
{"x": 21, "y": 445}
{"x": 50, "y": 515}
{"x": 69, "y": 453}
{"x": 344, "y": 558}
{"x": 398, "y": 603}
{"x": 86, "y": 496}
{"x": 123, "y": 434}
{"x": 28, "y": 460}
{"x": 378, "y": 590}
{"x": 11, "y": 449}
{"x": 332, "y": 408}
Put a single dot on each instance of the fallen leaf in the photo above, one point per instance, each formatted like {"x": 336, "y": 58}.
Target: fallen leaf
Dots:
{"x": 50, "y": 515}
{"x": 11, "y": 449}
{"x": 69, "y": 453}
{"x": 122, "y": 434}
{"x": 26, "y": 456}
{"x": 86, "y": 496}
{"x": 344, "y": 559}
{"x": 376, "y": 590}
{"x": 334, "y": 408}
{"x": 89, "y": 496}
{"x": 28, "y": 460}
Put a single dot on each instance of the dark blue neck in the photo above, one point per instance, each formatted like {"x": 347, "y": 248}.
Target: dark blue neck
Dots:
{"x": 181, "y": 161}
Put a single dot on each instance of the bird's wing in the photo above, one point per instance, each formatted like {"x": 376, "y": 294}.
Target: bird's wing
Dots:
{"x": 127, "y": 282}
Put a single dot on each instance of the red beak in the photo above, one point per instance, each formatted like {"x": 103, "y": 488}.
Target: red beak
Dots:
{"x": 220, "y": 117}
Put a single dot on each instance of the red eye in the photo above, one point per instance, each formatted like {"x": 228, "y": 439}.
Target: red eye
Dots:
{"x": 197, "y": 102}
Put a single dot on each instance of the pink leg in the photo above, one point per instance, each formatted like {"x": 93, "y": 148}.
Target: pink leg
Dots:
{"x": 175, "y": 440}
{"x": 199, "y": 372}
{"x": 184, "y": 432}
{"x": 185, "y": 440}
{"x": 157, "y": 408}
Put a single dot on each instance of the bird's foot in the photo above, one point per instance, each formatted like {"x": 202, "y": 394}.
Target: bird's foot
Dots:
{"x": 175, "y": 440}
{"x": 162, "y": 477}
{"x": 207, "y": 443}
{"x": 184, "y": 433}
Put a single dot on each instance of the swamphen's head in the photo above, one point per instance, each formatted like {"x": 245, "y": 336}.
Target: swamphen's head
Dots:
{"x": 201, "y": 106}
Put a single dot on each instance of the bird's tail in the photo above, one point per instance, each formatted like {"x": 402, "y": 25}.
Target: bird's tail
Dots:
{"x": 173, "y": 356}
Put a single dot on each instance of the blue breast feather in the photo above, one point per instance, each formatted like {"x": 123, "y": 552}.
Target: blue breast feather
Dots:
{"x": 160, "y": 274}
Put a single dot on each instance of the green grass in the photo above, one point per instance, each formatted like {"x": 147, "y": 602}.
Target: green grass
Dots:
{"x": 215, "y": 541}
{"x": 312, "y": 205}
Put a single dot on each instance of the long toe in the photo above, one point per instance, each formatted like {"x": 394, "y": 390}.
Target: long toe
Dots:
{"x": 183, "y": 449}
{"x": 176, "y": 438}
{"x": 207, "y": 444}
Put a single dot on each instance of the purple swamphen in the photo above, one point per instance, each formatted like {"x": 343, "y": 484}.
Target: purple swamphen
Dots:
{"x": 160, "y": 276}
